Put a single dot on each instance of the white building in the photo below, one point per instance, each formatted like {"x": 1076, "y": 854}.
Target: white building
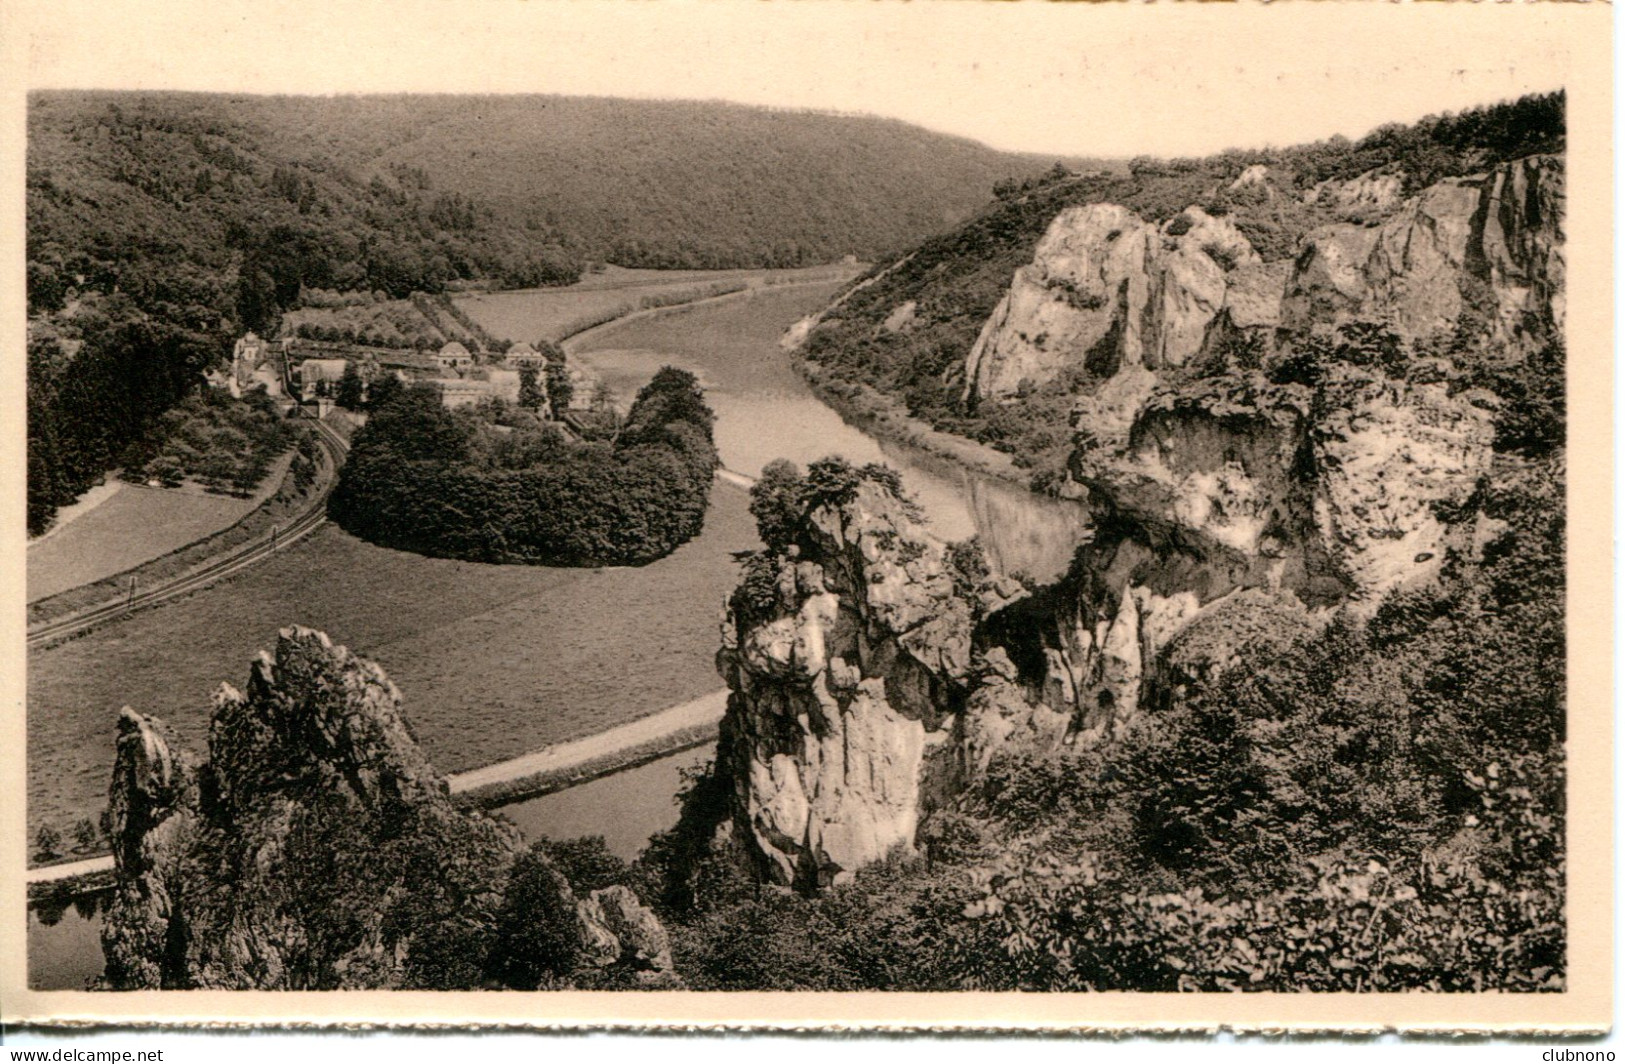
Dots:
{"x": 453, "y": 356}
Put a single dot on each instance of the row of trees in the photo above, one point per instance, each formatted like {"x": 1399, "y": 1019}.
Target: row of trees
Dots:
{"x": 440, "y": 482}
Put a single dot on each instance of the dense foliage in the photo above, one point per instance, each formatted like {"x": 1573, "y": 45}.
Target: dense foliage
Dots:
{"x": 225, "y": 444}
{"x": 412, "y": 193}
{"x": 956, "y": 279}
{"x": 452, "y": 484}
{"x": 100, "y": 386}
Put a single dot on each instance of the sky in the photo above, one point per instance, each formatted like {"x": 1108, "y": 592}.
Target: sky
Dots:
{"x": 1063, "y": 79}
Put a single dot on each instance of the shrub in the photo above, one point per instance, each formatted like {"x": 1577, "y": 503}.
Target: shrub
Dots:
{"x": 536, "y": 929}
{"x": 776, "y": 503}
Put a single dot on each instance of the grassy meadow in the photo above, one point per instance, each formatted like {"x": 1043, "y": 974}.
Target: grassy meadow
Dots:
{"x": 732, "y": 345}
{"x": 493, "y": 660}
{"x": 136, "y": 525}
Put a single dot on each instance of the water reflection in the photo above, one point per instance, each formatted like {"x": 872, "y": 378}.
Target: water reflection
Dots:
{"x": 763, "y": 416}
{"x": 626, "y": 808}
{"x": 64, "y": 942}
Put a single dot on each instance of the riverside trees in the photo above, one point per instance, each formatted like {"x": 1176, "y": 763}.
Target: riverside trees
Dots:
{"x": 445, "y": 483}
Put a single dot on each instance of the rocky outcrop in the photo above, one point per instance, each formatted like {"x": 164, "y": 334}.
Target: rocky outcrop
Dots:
{"x": 1257, "y": 445}
{"x": 317, "y": 848}
{"x": 619, "y": 931}
{"x": 1369, "y": 194}
{"x": 839, "y": 685}
{"x": 1107, "y": 292}
{"x": 1108, "y": 295}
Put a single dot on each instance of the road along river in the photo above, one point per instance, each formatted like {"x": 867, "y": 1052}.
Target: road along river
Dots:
{"x": 764, "y": 411}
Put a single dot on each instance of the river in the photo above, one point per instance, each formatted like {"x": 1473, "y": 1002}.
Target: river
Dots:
{"x": 764, "y": 411}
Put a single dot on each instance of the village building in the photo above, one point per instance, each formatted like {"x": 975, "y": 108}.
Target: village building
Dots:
{"x": 453, "y": 356}
{"x": 254, "y": 364}
{"x": 315, "y": 372}
{"x": 474, "y": 386}
{"x": 521, "y": 355}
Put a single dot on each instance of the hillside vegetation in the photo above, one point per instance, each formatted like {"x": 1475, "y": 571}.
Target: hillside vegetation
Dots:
{"x": 412, "y": 193}
{"x": 956, "y": 279}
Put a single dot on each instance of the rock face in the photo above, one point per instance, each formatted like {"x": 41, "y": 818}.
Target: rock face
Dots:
{"x": 839, "y": 685}
{"x": 1250, "y": 458}
{"x": 317, "y": 848}
{"x": 1107, "y": 293}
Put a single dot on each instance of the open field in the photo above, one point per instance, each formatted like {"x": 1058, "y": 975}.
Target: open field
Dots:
{"x": 732, "y": 345}
{"x": 281, "y": 499}
{"x": 553, "y": 313}
{"x": 493, "y": 661}
{"x": 135, "y": 525}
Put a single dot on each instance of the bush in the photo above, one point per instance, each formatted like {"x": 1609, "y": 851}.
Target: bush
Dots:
{"x": 776, "y": 503}
{"x": 537, "y": 939}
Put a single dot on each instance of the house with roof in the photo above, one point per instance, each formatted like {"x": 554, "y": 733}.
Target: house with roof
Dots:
{"x": 253, "y": 365}
{"x": 453, "y": 356}
{"x": 523, "y": 355}
{"x": 472, "y": 386}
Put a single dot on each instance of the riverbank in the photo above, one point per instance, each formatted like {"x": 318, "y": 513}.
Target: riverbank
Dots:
{"x": 884, "y": 418}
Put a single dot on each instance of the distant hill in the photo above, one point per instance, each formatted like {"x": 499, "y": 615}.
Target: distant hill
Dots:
{"x": 663, "y": 183}
{"x": 413, "y": 192}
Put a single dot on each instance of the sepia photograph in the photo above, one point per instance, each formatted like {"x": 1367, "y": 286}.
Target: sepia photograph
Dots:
{"x": 929, "y": 515}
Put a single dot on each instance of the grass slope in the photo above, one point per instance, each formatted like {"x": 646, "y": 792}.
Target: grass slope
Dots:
{"x": 134, "y": 526}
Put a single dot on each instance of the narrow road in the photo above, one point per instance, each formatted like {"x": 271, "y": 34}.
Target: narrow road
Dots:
{"x": 707, "y": 709}
{"x": 306, "y": 522}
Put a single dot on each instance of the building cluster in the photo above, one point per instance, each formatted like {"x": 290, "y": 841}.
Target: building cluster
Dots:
{"x": 309, "y": 371}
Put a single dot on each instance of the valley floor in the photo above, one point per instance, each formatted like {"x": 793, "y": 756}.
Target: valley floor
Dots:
{"x": 493, "y": 661}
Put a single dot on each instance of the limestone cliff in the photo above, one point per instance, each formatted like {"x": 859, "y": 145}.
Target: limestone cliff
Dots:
{"x": 316, "y": 848}
{"x": 851, "y": 667}
{"x": 1257, "y": 444}
{"x": 1110, "y": 295}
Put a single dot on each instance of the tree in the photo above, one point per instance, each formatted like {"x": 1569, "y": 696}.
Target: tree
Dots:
{"x": 384, "y": 390}
{"x": 536, "y": 929}
{"x": 86, "y": 837}
{"x": 531, "y": 395}
{"x": 350, "y": 389}
{"x": 776, "y": 503}
{"x": 47, "y": 842}
{"x": 560, "y": 389}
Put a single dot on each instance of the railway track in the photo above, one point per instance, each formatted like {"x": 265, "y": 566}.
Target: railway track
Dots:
{"x": 308, "y": 521}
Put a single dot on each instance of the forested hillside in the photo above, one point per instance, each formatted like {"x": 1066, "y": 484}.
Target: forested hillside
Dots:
{"x": 160, "y": 226}
{"x": 661, "y": 184}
